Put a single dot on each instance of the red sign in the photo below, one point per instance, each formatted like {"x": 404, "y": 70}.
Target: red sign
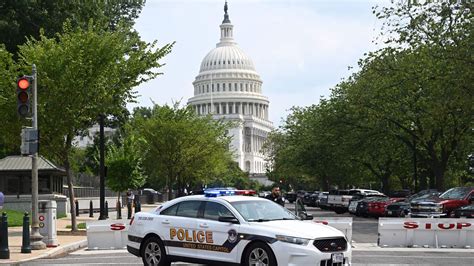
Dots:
{"x": 444, "y": 226}
{"x": 41, "y": 218}
{"x": 117, "y": 227}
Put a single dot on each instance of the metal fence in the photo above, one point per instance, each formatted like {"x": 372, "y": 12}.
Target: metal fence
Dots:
{"x": 87, "y": 192}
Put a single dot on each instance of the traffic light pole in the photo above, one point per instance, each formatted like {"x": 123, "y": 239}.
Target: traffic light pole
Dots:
{"x": 35, "y": 236}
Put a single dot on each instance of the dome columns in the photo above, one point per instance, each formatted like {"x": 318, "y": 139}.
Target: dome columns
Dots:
{"x": 233, "y": 107}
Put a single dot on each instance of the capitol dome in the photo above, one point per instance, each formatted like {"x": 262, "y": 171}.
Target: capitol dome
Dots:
{"x": 228, "y": 87}
{"x": 226, "y": 57}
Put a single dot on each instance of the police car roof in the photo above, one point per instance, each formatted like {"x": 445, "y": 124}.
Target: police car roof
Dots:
{"x": 226, "y": 198}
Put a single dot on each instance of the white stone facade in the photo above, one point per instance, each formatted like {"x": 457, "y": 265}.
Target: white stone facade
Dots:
{"x": 228, "y": 87}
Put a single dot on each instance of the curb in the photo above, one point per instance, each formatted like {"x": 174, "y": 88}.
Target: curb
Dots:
{"x": 53, "y": 253}
{"x": 372, "y": 247}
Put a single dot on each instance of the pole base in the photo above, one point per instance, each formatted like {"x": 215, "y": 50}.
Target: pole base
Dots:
{"x": 35, "y": 240}
{"x": 26, "y": 250}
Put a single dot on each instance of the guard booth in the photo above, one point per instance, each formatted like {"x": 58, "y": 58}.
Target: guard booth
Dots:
{"x": 47, "y": 222}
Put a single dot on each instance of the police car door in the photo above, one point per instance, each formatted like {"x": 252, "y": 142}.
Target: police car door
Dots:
{"x": 221, "y": 242}
{"x": 179, "y": 229}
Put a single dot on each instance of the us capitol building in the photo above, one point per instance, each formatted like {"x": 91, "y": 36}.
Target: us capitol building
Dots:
{"x": 229, "y": 88}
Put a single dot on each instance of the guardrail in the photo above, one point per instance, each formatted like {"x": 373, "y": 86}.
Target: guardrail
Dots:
{"x": 426, "y": 232}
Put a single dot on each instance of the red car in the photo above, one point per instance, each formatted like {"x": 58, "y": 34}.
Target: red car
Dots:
{"x": 377, "y": 206}
{"x": 445, "y": 204}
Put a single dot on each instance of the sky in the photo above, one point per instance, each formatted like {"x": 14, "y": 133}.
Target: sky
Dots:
{"x": 300, "y": 48}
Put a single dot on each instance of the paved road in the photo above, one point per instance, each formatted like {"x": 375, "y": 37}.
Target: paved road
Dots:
{"x": 364, "y": 230}
{"x": 359, "y": 258}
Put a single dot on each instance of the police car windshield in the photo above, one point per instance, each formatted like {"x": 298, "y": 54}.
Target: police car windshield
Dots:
{"x": 262, "y": 211}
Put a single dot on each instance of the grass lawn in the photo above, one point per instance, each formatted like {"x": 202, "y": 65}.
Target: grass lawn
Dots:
{"x": 79, "y": 226}
{"x": 14, "y": 218}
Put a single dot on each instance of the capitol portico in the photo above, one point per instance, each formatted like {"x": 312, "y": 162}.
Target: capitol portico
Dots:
{"x": 229, "y": 88}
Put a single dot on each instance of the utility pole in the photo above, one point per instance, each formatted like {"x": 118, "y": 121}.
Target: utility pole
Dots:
{"x": 102, "y": 215}
{"x": 35, "y": 237}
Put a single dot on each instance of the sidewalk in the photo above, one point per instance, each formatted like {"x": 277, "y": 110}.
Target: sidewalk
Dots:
{"x": 68, "y": 242}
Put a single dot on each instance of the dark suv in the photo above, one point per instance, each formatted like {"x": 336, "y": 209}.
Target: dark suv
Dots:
{"x": 402, "y": 208}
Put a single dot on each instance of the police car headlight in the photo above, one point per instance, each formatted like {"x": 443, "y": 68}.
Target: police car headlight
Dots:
{"x": 293, "y": 240}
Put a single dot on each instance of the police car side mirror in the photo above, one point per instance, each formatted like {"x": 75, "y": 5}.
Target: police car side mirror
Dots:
{"x": 228, "y": 219}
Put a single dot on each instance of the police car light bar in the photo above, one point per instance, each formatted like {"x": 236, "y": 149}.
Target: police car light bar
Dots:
{"x": 216, "y": 193}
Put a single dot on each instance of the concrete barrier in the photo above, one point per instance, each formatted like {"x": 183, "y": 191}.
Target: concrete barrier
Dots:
{"x": 107, "y": 234}
{"x": 426, "y": 232}
{"x": 343, "y": 224}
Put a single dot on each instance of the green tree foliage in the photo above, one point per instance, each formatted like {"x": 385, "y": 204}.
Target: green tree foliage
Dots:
{"x": 84, "y": 73}
{"x": 8, "y": 114}
{"x": 180, "y": 148}
{"x": 124, "y": 166}
{"x": 22, "y": 19}
{"x": 412, "y": 98}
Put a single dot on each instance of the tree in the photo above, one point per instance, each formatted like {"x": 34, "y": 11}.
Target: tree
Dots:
{"x": 22, "y": 19}
{"x": 124, "y": 166}
{"x": 81, "y": 74}
{"x": 9, "y": 140}
{"x": 181, "y": 149}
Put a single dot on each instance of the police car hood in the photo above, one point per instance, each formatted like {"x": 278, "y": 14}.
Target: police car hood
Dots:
{"x": 297, "y": 228}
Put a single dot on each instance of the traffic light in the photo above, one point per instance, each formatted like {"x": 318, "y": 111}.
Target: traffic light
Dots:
{"x": 23, "y": 89}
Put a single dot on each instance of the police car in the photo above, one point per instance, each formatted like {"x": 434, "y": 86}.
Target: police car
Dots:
{"x": 219, "y": 228}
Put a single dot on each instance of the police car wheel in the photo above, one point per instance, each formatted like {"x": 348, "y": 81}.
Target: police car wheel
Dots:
{"x": 259, "y": 254}
{"x": 154, "y": 253}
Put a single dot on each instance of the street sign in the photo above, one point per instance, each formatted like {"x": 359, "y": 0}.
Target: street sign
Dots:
{"x": 29, "y": 141}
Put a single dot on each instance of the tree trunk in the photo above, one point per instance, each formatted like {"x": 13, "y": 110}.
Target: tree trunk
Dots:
{"x": 71, "y": 193}
{"x": 438, "y": 171}
{"x": 385, "y": 183}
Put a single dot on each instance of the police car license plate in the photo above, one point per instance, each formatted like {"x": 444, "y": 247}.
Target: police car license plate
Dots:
{"x": 337, "y": 258}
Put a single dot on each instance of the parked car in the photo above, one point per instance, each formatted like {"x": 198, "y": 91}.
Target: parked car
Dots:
{"x": 359, "y": 197}
{"x": 445, "y": 204}
{"x": 2, "y": 200}
{"x": 149, "y": 196}
{"x": 323, "y": 201}
{"x": 313, "y": 199}
{"x": 402, "y": 208}
{"x": 290, "y": 196}
{"x": 307, "y": 198}
{"x": 264, "y": 194}
{"x": 465, "y": 211}
{"x": 376, "y": 207}
{"x": 338, "y": 200}
{"x": 362, "y": 208}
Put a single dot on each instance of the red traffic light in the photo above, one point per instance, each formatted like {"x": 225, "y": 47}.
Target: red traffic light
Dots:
{"x": 23, "y": 83}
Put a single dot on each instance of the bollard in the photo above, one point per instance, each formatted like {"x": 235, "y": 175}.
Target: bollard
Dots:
{"x": 25, "y": 245}
{"x": 119, "y": 210}
{"x": 91, "y": 209}
{"x": 106, "y": 209}
{"x": 129, "y": 210}
{"x": 77, "y": 208}
{"x": 4, "y": 251}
